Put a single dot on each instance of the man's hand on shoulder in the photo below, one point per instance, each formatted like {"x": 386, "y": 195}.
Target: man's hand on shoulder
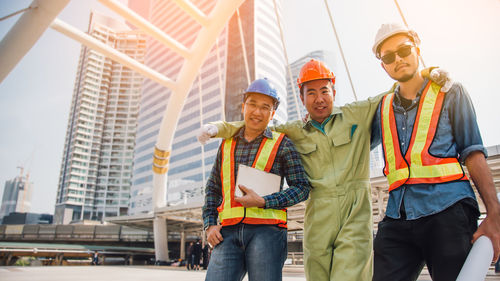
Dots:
{"x": 438, "y": 76}
{"x": 206, "y": 132}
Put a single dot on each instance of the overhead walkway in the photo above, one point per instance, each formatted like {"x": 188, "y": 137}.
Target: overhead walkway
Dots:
{"x": 90, "y": 234}
{"x": 180, "y": 218}
{"x": 63, "y": 254}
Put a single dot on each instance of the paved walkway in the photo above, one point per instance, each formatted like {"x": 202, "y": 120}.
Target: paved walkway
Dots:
{"x": 131, "y": 273}
{"x": 106, "y": 273}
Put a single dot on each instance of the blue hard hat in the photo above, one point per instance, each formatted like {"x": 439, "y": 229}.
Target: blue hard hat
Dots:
{"x": 262, "y": 86}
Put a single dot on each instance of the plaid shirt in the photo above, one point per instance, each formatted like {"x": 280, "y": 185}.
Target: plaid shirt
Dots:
{"x": 286, "y": 164}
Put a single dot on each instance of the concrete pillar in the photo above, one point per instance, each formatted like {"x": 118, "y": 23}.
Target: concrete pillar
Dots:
{"x": 161, "y": 239}
{"x": 183, "y": 243}
{"x": 8, "y": 259}
{"x": 380, "y": 202}
{"x": 59, "y": 259}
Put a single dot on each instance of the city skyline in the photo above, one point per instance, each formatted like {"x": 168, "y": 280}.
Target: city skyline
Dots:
{"x": 16, "y": 195}
{"x": 219, "y": 82}
{"x": 462, "y": 39}
{"x": 96, "y": 168}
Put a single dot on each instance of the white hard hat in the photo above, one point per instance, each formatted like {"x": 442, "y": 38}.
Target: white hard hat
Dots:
{"x": 387, "y": 30}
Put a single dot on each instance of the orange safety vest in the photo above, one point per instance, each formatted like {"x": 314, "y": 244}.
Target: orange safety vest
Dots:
{"x": 417, "y": 166}
{"x": 232, "y": 212}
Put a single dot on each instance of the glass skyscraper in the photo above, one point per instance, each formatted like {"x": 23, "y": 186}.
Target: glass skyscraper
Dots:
{"x": 322, "y": 55}
{"x": 97, "y": 160}
{"x": 216, "y": 93}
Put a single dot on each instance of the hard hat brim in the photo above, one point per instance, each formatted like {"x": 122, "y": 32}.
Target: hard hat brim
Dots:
{"x": 381, "y": 40}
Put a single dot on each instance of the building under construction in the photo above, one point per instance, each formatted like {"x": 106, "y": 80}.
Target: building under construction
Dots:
{"x": 17, "y": 195}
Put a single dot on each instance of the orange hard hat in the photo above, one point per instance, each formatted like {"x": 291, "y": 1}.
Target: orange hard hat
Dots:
{"x": 314, "y": 70}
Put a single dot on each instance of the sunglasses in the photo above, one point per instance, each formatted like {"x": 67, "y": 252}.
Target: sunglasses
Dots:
{"x": 402, "y": 52}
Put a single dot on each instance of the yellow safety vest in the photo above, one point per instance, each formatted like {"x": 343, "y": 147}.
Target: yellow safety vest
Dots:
{"x": 232, "y": 212}
{"x": 417, "y": 166}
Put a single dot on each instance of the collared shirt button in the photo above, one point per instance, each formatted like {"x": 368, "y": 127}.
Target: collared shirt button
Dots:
{"x": 404, "y": 128}
{"x": 402, "y": 144}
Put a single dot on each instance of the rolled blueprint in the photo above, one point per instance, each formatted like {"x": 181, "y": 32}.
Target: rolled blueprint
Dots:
{"x": 478, "y": 261}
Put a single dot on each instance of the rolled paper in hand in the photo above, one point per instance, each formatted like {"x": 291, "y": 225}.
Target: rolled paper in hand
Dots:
{"x": 478, "y": 261}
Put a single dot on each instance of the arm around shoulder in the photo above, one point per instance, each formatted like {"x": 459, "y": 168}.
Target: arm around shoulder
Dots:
{"x": 293, "y": 129}
{"x": 227, "y": 130}
{"x": 363, "y": 111}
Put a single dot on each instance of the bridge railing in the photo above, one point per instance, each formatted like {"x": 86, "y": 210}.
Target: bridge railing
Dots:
{"x": 74, "y": 232}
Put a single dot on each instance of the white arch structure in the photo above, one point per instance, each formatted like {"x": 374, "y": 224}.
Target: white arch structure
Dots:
{"x": 42, "y": 14}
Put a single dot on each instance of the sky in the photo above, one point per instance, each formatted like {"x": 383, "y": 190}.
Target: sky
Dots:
{"x": 461, "y": 36}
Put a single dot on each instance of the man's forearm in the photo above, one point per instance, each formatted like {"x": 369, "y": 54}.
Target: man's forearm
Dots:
{"x": 229, "y": 129}
{"x": 287, "y": 198}
{"x": 209, "y": 210}
{"x": 213, "y": 199}
{"x": 481, "y": 176}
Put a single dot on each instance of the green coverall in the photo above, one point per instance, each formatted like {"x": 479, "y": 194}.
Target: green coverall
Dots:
{"x": 338, "y": 227}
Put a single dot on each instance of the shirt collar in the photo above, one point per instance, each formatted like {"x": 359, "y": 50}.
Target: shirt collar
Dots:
{"x": 397, "y": 97}
{"x": 335, "y": 111}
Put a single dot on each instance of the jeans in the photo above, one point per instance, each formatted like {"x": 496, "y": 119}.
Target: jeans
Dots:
{"x": 260, "y": 250}
{"x": 442, "y": 241}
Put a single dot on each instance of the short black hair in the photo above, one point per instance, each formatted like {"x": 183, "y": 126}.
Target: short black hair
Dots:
{"x": 302, "y": 87}
{"x": 247, "y": 94}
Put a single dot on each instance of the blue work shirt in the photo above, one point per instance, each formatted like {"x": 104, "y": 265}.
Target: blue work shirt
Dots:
{"x": 457, "y": 136}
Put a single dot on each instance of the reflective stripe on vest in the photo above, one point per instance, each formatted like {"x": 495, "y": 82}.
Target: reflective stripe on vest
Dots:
{"x": 232, "y": 212}
{"x": 417, "y": 166}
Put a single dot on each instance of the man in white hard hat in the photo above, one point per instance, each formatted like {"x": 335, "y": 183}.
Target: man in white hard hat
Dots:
{"x": 427, "y": 135}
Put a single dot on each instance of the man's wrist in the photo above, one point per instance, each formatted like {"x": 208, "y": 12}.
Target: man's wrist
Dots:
{"x": 208, "y": 226}
{"x": 493, "y": 210}
{"x": 267, "y": 202}
{"x": 262, "y": 202}
{"x": 209, "y": 221}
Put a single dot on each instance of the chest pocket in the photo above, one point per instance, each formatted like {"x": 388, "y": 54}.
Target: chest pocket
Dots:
{"x": 342, "y": 153}
{"x": 344, "y": 137}
{"x": 309, "y": 156}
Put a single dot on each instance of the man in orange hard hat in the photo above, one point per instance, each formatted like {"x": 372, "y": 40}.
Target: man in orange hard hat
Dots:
{"x": 334, "y": 144}
{"x": 427, "y": 136}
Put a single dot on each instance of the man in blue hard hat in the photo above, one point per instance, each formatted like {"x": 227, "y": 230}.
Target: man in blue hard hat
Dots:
{"x": 249, "y": 233}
